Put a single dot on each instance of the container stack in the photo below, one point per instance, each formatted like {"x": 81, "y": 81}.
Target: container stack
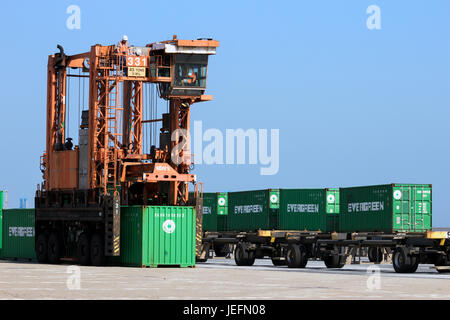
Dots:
{"x": 284, "y": 209}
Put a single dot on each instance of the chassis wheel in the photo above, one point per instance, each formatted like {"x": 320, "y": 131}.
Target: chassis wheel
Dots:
{"x": 335, "y": 261}
{"x": 54, "y": 248}
{"x": 403, "y": 262}
{"x": 296, "y": 256}
{"x": 221, "y": 250}
{"x": 241, "y": 256}
{"x": 375, "y": 254}
{"x": 414, "y": 265}
{"x": 97, "y": 250}
{"x": 251, "y": 258}
{"x": 83, "y": 249}
{"x": 42, "y": 248}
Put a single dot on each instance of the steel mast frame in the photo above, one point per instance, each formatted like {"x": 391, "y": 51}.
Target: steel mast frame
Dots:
{"x": 115, "y": 156}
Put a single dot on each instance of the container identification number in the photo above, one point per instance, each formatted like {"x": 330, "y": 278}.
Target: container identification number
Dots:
{"x": 21, "y": 232}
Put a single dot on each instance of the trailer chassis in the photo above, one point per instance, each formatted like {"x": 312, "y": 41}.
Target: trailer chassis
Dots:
{"x": 295, "y": 248}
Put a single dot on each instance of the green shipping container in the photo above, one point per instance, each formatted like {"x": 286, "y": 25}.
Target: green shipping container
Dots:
{"x": 153, "y": 236}
{"x": 1, "y": 200}
{"x": 386, "y": 208}
{"x": 308, "y": 209}
{"x": 1, "y": 232}
{"x": 222, "y": 211}
{"x": 332, "y": 209}
{"x": 215, "y": 211}
{"x": 1, "y": 223}
{"x": 253, "y": 210}
{"x": 209, "y": 220}
{"x": 18, "y": 234}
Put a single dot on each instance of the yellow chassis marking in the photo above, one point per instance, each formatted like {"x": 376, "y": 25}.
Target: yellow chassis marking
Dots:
{"x": 438, "y": 235}
{"x": 264, "y": 233}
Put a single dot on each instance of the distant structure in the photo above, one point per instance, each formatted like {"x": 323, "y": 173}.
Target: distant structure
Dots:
{"x": 23, "y": 203}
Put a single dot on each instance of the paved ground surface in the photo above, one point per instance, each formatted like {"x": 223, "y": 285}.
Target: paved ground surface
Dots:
{"x": 220, "y": 279}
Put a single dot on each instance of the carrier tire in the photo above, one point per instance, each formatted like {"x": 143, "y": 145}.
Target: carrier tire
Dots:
{"x": 84, "y": 249}
{"x": 42, "y": 248}
{"x": 55, "y": 248}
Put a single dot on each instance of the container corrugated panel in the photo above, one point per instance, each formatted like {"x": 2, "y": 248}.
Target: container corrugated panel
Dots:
{"x": 386, "y": 208}
{"x": 18, "y": 234}
{"x": 250, "y": 210}
{"x": 210, "y": 211}
{"x": 131, "y": 241}
{"x": 332, "y": 209}
{"x": 209, "y": 219}
{"x": 152, "y": 236}
{"x": 303, "y": 209}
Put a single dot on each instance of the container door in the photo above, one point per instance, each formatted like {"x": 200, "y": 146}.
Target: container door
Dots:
{"x": 421, "y": 208}
{"x": 412, "y": 207}
{"x": 401, "y": 196}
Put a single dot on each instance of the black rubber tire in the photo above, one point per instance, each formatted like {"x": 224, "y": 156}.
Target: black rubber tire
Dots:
{"x": 375, "y": 254}
{"x": 296, "y": 256}
{"x": 251, "y": 258}
{"x": 54, "y": 248}
{"x": 304, "y": 257}
{"x": 414, "y": 265}
{"x": 42, "y": 248}
{"x": 404, "y": 263}
{"x": 278, "y": 262}
{"x": 241, "y": 254}
{"x": 220, "y": 250}
{"x": 97, "y": 250}
{"x": 84, "y": 249}
{"x": 370, "y": 254}
{"x": 334, "y": 261}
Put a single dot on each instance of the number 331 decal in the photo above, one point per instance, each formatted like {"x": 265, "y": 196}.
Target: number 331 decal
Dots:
{"x": 133, "y": 61}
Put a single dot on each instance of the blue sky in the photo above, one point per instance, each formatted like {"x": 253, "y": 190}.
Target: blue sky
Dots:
{"x": 354, "y": 106}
